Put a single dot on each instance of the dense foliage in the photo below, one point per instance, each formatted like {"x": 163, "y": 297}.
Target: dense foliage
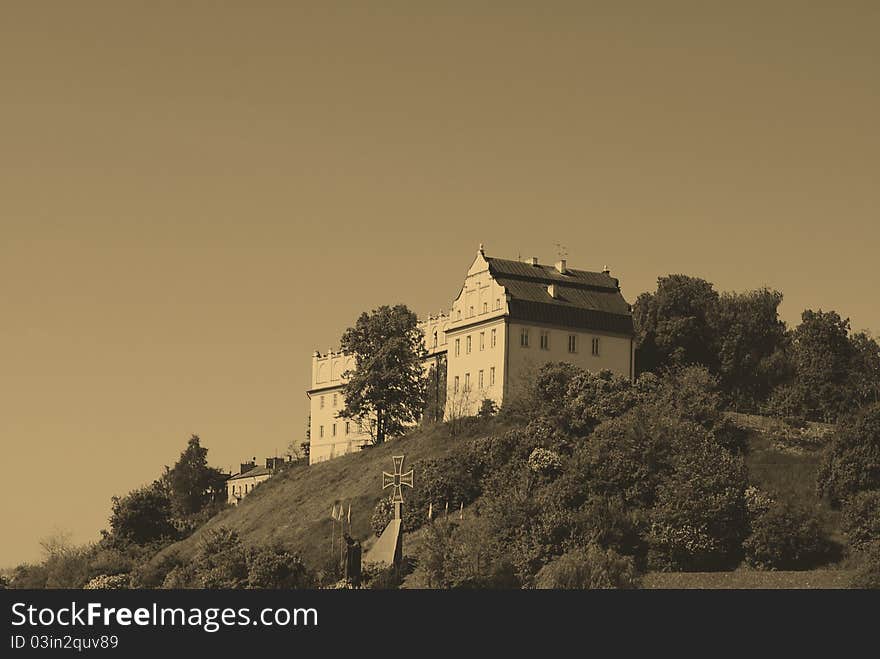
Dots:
{"x": 852, "y": 462}
{"x": 818, "y": 370}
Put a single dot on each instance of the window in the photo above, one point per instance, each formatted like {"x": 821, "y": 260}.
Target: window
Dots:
{"x": 333, "y": 431}
{"x": 459, "y": 314}
{"x": 347, "y": 427}
{"x": 334, "y": 400}
{"x": 485, "y": 307}
{"x": 435, "y": 338}
{"x": 572, "y": 343}
{"x": 596, "y": 347}
{"x": 497, "y": 303}
{"x": 321, "y": 431}
{"x": 492, "y": 340}
{"x": 457, "y": 346}
{"x": 545, "y": 340}
{"x": 455, "y": 385}
{"x": 468, "y": 344}
{"x": 467, "y": 382}
{"x": 492, "y": 377}
{"x": 322, "y": 402}
{"x": 524, "y": 337}
{"x": 470, "y": 312}
{"x": 480, "y": 379}
{"x": 482, "y": 340}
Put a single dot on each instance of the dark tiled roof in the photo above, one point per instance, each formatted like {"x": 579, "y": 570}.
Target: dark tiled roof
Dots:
{"x": 585, "y": 300}
{"x": 256, "y": 471}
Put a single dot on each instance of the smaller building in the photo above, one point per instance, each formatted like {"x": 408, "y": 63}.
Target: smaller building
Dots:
{"x": 248, "y": 477}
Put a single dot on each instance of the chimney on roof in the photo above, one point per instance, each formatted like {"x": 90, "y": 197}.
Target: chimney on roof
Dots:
{"x": 560, "y": 266}
{"x": 532, "y": 260}
{"x": 606, "y": 271}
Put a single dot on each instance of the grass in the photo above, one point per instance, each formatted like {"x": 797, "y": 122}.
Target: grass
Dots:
{"x": 293, "y": 507}
{"x": 791, "y": 476}
{"x": 749, "y": 579}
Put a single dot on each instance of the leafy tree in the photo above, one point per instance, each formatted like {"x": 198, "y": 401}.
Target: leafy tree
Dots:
{"x": 852, "y": 463}
{"x": 822, "y": 356}
{"x": 672, "y": 324}
{"x": 865, "y": 374}
{"x": 749, "y": 343}
{"x": 192, "y": 483}
{"x": 387, "y": 387}
{"x": 142, "y": 516}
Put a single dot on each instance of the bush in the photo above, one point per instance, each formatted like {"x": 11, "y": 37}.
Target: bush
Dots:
{"x": 861, "y": 519}
{"x": 544, "y": 462}
{"x": 592, "y": 567}
{"x": 786, "y": 538}
{"x": 220, "y": 561}
{"x": 182, "y": 576}
{"x": 108, "y": 582}
{"x": 852, "y": 462}
{"x": 272, "y": 566}
{"x": 868, "y": 575}
{"x": 382, "y": 515}
{"x": 152, "y": 573}
{"x": 700, "y": 517}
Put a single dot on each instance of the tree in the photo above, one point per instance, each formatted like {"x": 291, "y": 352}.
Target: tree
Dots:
{"x": 388, "y": 385}
{"x": 672, "y": 325}
{"x": 749, "y": 342}
{"x": 865, "y": 374}
{"x": 852, "y": 463}
{"x": 142, "y": 516}
{"x": 823, "y": 355}
{"x": 192, "y": 483}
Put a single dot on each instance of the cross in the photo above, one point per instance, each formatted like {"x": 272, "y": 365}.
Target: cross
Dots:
{"x": 397, "y": 480}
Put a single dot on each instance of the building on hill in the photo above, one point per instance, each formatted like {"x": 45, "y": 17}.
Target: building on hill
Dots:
{"x": 248, "y": 477}
{"x": 509, "y": 318}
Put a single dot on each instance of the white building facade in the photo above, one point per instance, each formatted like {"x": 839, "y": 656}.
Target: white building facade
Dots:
{"x": 509, "y": 318}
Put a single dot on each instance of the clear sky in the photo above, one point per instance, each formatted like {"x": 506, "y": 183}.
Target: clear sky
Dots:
{"x": 196, "y": 195}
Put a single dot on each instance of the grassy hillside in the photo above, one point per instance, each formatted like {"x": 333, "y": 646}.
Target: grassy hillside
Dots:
{"x": 293, "y": 507}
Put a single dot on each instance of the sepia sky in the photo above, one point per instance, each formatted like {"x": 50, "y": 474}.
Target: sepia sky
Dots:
{"x": 196, "y": 195}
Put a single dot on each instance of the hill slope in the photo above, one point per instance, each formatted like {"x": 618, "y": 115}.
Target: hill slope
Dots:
{"x": 293, "y": 507}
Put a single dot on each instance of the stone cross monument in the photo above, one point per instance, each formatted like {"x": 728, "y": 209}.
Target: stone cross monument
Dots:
{"x": 389, "y": 547}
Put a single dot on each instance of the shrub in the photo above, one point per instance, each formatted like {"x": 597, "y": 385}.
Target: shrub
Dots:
{"x": 852, "y": 462}
{"x": 544, "y": 462}
{"x": 382, "y": 514}
{"x": 29, "y": 576}
{"x": 272, "y": 566}
{"x": 488, "y": 408}
{"x": 152, "y": 573}
{"x": 786, "y": 538}
{"x": 380, "y": 576}
{"x": 108, "y": 582}
{"x": 758, "y": 501}
{"x": 868, "y": 574}
{"x": 182, "y": 576}
{"x": 592, "y": 567}
{"x": 700, "y": 517}
{"x": 861, "y": 519}
{"x": 220, "y": 561}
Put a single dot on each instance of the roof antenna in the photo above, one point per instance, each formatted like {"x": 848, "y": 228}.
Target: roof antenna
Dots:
{"x": 561, "y": 252}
